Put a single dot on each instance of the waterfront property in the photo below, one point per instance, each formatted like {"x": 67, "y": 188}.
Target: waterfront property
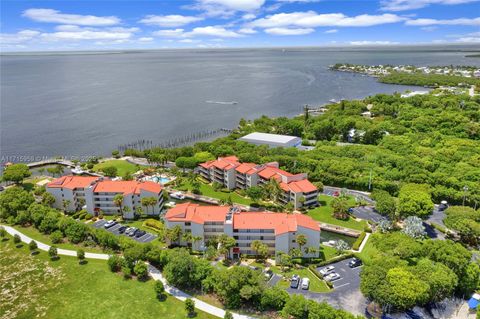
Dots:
{"x": 97, "y": 195}
{"x": 277, "y": 230}
{"x": 272, "y": 140}
{"x": 230, "y": 173}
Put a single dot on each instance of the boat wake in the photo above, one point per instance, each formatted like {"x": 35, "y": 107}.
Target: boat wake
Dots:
{"x": 222, "y": 102}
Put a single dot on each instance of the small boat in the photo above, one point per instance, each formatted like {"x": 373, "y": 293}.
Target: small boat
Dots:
{"x": 222, "y": 102}
{"x": 77, "y": 170}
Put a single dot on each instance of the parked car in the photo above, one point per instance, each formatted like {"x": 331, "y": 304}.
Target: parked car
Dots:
{"x": 443, "y": 205}
{"x": 294, "y": 282}
{"x": 2, "y": 188}
{"x": 139, "y": 233}
{"x": 268, "y": 274}
{"x": 305, "y": 283}
{"x": 355, "y": 262}
{"x": 326, "y": 270}
{"x": 332, "y": 276}
{"x": 109, "y": 224}
{"x": 177, "y": 195}
{"x": 336, "y": 193}
{"x": 128, "y": 230}
{"x": 132, "y": 231}
{"x": 122, "y": 229}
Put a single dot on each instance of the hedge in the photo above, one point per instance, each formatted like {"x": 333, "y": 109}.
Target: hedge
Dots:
{"x": 153, "y": 223}
{"x": 438, "y": 227}
{"x": 358, "y": 242}
{"x": 335, "y": 259}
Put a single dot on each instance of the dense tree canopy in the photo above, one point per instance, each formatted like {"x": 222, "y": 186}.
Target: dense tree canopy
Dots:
{"x": 16, "y": 173}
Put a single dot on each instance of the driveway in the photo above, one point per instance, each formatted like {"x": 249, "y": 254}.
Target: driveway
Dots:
{"x": 148, "y": 237}
{"x": 346, "y": 293}
{"x": 368, "y": 213}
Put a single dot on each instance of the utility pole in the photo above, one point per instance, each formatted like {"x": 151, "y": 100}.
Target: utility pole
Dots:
{"x": 465, "y": 189}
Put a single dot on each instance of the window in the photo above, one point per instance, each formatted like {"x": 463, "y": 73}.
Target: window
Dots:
{"x": 187, "y": 223}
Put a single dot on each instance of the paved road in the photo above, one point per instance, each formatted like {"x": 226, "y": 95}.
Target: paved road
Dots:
{"x": 346, "y": 294}
{"x": 148, "y": 237}
{"x": 153, "y": 272}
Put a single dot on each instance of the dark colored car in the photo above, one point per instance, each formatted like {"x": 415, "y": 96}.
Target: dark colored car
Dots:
{"x": 139, "y": 233}
{"x": 122, "y": 229}
{"x": 295, "y": 281}
{"x": 355, "y": 262}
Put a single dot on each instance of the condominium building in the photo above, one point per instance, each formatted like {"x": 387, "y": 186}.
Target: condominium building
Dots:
{"x": 97, "y": 194}
{"x": 277, "y": 230}
{"x": 229, "y": 172}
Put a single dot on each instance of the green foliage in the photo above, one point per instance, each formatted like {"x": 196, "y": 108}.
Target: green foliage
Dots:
{"x": 184, "y": 270}
{"x": 110, "y": 171}
{"x": 56, "y": 237}
{"x": 190, "y": 306}
{"x": 385, "y": 203}
{"x": 13, "y": 200}
{"x": 432, "y": 80}
{"x": 254, "y": 192}
{"x": 115, "y": 263}
{"x": 466, "y": 222}
{"x": 273, "y": 298}
{"x": 80, "y": 255}
{"x": 17, "y": 239}
{"x": 33, "y": 245}
{"x": 141, "y": 270}
{"x": 48, "y": 199}
{"x": 16, "y": 173}
{"x": 358, "y": 242}
{"x": 228, "y": 315}
{"x": 53, "y": 252}
{"x": 414, "y": 200}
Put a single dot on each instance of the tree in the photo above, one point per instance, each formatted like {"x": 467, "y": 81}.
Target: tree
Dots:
{"x": 173, "y": 234}
{"x": 413, "y": 227}
{"x": 255, "y": 193}
{"x": 80, "y": 256}
{"x": 16, "y": 239}
{"x": 141, "y": 270}
{"x": 56, "y": 237}
{"x": 33, "y": 246}
{"x": 340, "y": 207}
{"x": 48, "y": 199}
{"x": 115, "y": 263}
{"x": 53, "y": 252}
{"x": 159, "y": 290}
{"x": 186, "y": 162}
{"x": 273, "y": 298}
{"x": 149, "y": 201}
{"x": 260, "y": 248}
{"x": 13, "y": 200}
{"x": 226, "y": 244}
{"x": 190, "y": 307}
{"x": 118, "y": 201}
{"x": 228, "y": 315}
{"x": 405, "y": 290}
{"x": 196, "y": 239}
{"x": 116, "y": 154}
{"x": 414, "y": 200}
{"x": 295, "y": 252}
{"x": 466, "y": 222}
{"x": 311, "y": 251}
{"x": 272, "y": 189}
{"x": 296, "y": 307}
{"x": 66, "y": 203}
{"x": 285, "y": 260}
{"x": 385, "y": 204}
{"x": 110, "y": 171}
{"x": 76, "y": 232}
{"x": 16, "y": 173}
{"x": 441, "y": 279}
{"x": 187, "y": 237}
{"x": 385, "y": 225}
{"x": 301, "y": 240}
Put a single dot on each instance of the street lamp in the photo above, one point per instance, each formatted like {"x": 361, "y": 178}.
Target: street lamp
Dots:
{"x": 465, "y": 189}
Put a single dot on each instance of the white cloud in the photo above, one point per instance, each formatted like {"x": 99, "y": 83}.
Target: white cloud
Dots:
{"x": 249, "y": 16}
{"x": 145, "y": 39}
{"x": 173, "y": 33}
{"x": 402, "y": 5}
{"x": 90, "y": 34}
{"x": 173, "y": 20}
{"x": 189, "y": 41}
{"x": 428, "y": 22}
{"x": 247, "y": 31}
{"x": 311, "y": 19}
{"x": 54, "y": 16}
{"x": 473, "y": 37}
{"x": 372, "y": 43}
{"x": 331, "y": 31}
{"x": 209, "y": 31}
{"x": 226, "y": 8}
{"x": 19, "y": 37}
{"x": 300, "y": 1}
{"x": 429, "y": 29}
{"x": 288, "y": 31}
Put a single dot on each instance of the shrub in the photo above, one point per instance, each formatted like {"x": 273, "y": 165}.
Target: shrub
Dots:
{"x": 358, "y": 242}
{"x": 159, "y": 289}
{"x": 367, "y": 229}
{"x": 80, "y": 255}
{"x": 3, "y": 232}
{"x": 88, "y": 216}
{"x": 141, "y": 270}
{"x": 56, "y": 237}
{"x": 33, "y": 246}
{"x": 335, "y": 259}
{"x": 16, "y": 239}
{"x": 313, "y": 269}
{"x": 190, "y": 306}
{"x": 53, "y": 252}
{"x": 127, "y": 272}
{"x": 438, "y": 227}
{"x": 115, "y": 263}
{"x": 228, "y": 315}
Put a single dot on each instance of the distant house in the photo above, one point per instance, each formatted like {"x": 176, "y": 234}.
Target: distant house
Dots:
{"x": 230, "y": 173}
{"x": 97, "y": 195}
{"x": 272, "y": 140}
{"x": 276, "y": 230}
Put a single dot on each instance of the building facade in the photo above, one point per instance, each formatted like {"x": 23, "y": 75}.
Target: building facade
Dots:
{"x": 276, "y": 230}
{"x": 97, "y": 195}
{"x": 230, "y": 173}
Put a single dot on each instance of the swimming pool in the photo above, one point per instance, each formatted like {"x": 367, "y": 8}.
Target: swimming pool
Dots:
{"x": 158, "y": 179}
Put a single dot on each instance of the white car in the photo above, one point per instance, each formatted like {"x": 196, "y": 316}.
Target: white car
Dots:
{"x": 326, "y": 270}
{"x": 305, "y": 283}
{"x": 331, "y": 277}
{"x": 109, "y": 223}
{"x": 177, "y": 195}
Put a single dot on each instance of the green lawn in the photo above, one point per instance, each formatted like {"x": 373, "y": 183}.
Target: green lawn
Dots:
{"x": 207, "y": 190}
{"x": 325, "y": 211}
{"x": 65, "y": 289}
{"x": 37, "y": 235}
{"x": 122, "y": 166}
{"x": 368, "y": 252}
{"x": 328, "y": 252}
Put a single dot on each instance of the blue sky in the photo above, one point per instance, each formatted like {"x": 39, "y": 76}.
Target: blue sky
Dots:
{"x": 111, "y": 24}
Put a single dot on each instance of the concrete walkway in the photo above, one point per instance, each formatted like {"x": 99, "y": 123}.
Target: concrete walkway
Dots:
{"x": 153, "y": 272}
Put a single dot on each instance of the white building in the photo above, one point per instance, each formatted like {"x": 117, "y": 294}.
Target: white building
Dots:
{"x": 232, "y": 174}
{"x": 272, "y": 140}
{"x": 97, "y": 195}
{"x": 277, "y": 230}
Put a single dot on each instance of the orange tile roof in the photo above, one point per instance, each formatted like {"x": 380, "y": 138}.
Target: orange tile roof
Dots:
{"x": 245, "y": 168}
{"x": 280, "y": 222}
{"x": 273, "y": 172}
{"x": 127, "y": 187}
{"x": 72, "y": 182}
{"x": 302, "y": 186}
{"x": 188, "y": 212}
{"x": 228, "y": 162}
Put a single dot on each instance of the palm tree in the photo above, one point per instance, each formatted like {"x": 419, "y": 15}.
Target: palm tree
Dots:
{"x": 126, "y": 210}
{"x": 301, "y": 241}
{"x": 311, "y": 251}
{"x": 118, "y": 201}
{"x": 196, "y": 239}
{"x": 187, "y": 237}
{"x": 273, "y": 189}
{"x": 66, "y": 204}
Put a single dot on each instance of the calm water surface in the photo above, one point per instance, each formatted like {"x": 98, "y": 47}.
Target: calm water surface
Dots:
{"x": 74, "y": 104}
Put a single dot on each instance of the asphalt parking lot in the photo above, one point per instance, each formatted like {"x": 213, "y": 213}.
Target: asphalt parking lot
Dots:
{"x": 367, "y": 213}
{"x": 148, "y": 237}
{"x": 349, "y": 277}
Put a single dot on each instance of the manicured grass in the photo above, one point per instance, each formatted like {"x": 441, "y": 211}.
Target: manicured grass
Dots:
{"x": 65, "y": 289}
{"x": 122, "y": 166}
{"x": 325, "y": 211}
{"x": 207, "y": 190}
{"x": 368, "y": 252}
{"x": 37, "y": 235}
{"x": 328, "y": 252}
{"x": 316, "y": 285}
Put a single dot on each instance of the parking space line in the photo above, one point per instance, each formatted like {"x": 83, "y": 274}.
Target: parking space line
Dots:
{"x": 346, "y": 284}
